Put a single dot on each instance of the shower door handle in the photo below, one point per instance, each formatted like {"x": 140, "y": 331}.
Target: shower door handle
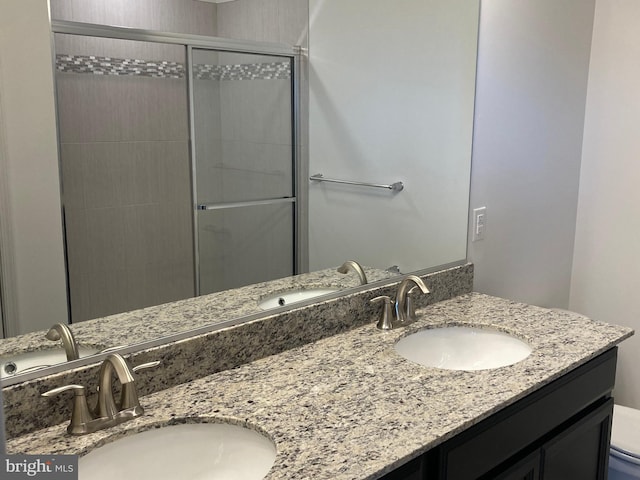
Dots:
{"x": 250, "y": 203}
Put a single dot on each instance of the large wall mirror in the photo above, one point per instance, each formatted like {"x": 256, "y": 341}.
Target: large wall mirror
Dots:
{"x": 201, "y": 159}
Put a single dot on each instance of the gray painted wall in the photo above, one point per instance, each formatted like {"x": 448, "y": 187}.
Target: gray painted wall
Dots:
{"x": 605, "y": 281}
{"x": 31, "y": 237}
{"x": 533, "y": 66}
{"x": 385, "y": 108}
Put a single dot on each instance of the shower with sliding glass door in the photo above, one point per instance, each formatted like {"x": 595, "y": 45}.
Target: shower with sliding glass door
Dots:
{"x": 178, "y": 165}
{"x": 244, "y": 168}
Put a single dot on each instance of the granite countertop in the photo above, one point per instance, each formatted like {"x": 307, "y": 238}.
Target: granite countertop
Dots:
{"x": 161, "y": 320}
{"x": 348, "y": 407}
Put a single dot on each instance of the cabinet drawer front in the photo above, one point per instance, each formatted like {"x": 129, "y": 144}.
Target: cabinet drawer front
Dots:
{"x": 496, "y": 439}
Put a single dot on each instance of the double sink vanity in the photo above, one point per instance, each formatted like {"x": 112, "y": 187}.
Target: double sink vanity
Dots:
{"x": 503, "y": 390}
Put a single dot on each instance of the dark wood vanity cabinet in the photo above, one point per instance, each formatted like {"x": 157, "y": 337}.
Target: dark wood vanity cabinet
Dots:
{"x": 526, "y": 469}
{"x": 559, "y": 432}
{"x": 579, "y": 452}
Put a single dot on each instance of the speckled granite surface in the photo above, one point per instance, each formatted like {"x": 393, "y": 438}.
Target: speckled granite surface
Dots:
{"x": 159, "y": 321}
{"x": 206, "y": 353}
{"x": 347, "y": 407}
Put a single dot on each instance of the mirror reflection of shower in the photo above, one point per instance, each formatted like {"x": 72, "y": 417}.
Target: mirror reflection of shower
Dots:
{"x": 243, "y": 147}
{"x": 162, "y": 199}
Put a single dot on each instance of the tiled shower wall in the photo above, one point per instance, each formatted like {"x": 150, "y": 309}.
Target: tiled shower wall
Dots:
{"x": 179, "y": 16}
{"x": 282, "y": 21}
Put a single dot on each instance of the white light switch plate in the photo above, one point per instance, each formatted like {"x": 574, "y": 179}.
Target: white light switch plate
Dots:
{"x": 479, "y": 223}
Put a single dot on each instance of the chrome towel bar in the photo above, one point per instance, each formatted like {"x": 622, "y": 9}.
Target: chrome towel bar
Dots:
{"x": 396, "y": 187}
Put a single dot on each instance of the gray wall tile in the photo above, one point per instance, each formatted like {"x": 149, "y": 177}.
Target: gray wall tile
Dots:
{"x": 118, "y": 109}
{"x": 209, "y": 162}
{"x": 252, "y": 171}
{"x": 109, "y": 47}
{"x": 293, "y": 22}
{"x": 245, "y": 245}
{"x": 72, "y": 172}
{"x": 256, "y": 111}
{"x": 283, "y": 21}
{"x": 181, "y": 16}
{"x": 77, "y": 245}
{"x": 114, "y": 246}
{"x": 107, "y": 174}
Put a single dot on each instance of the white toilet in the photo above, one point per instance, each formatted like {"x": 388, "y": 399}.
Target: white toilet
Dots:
{"x": 624, "y": 456}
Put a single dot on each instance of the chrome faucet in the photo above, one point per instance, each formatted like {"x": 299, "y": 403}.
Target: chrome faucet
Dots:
{"x": 107, "y": 413}
{"x": 60, "y": 331}
{"x": 355, "y": 266}
{"x": 400, "y": 312}
{"x": 403, "y": 309}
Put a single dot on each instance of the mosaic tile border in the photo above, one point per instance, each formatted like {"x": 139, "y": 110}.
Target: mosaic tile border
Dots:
{"x": 246, "y": 71}
{"x": 97, "y": 65}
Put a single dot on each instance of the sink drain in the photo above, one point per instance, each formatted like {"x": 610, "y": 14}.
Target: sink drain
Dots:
{"x": 10, "y": 368}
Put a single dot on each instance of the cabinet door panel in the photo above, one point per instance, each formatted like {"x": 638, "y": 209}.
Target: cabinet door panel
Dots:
{"x": 581, "y": 451}
{"x": 526, "y": 469}
{"x": 492, "y": 442}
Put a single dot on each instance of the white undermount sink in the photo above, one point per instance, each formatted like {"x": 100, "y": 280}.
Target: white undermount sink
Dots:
{"x": 30, "y": 361}
{"x": 292, "y": 296}
{"x": 462, "y": 348}
{"x": 192, "y": 451}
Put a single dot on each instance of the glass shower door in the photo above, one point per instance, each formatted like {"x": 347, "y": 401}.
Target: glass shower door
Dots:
{"x": 242, "y": 124}
{"x": 123, "y": 120}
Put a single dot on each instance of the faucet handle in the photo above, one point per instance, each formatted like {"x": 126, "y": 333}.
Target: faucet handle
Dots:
{"x": 145, "y": 366}
{"x": 387, "y": 313}
{"x": 112, "y": 349}
{"x": 410, "y": 307}
{"x": 80, "y": 413}
{"x": 79, "y": 390}
{"x": 129, "y": 396}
